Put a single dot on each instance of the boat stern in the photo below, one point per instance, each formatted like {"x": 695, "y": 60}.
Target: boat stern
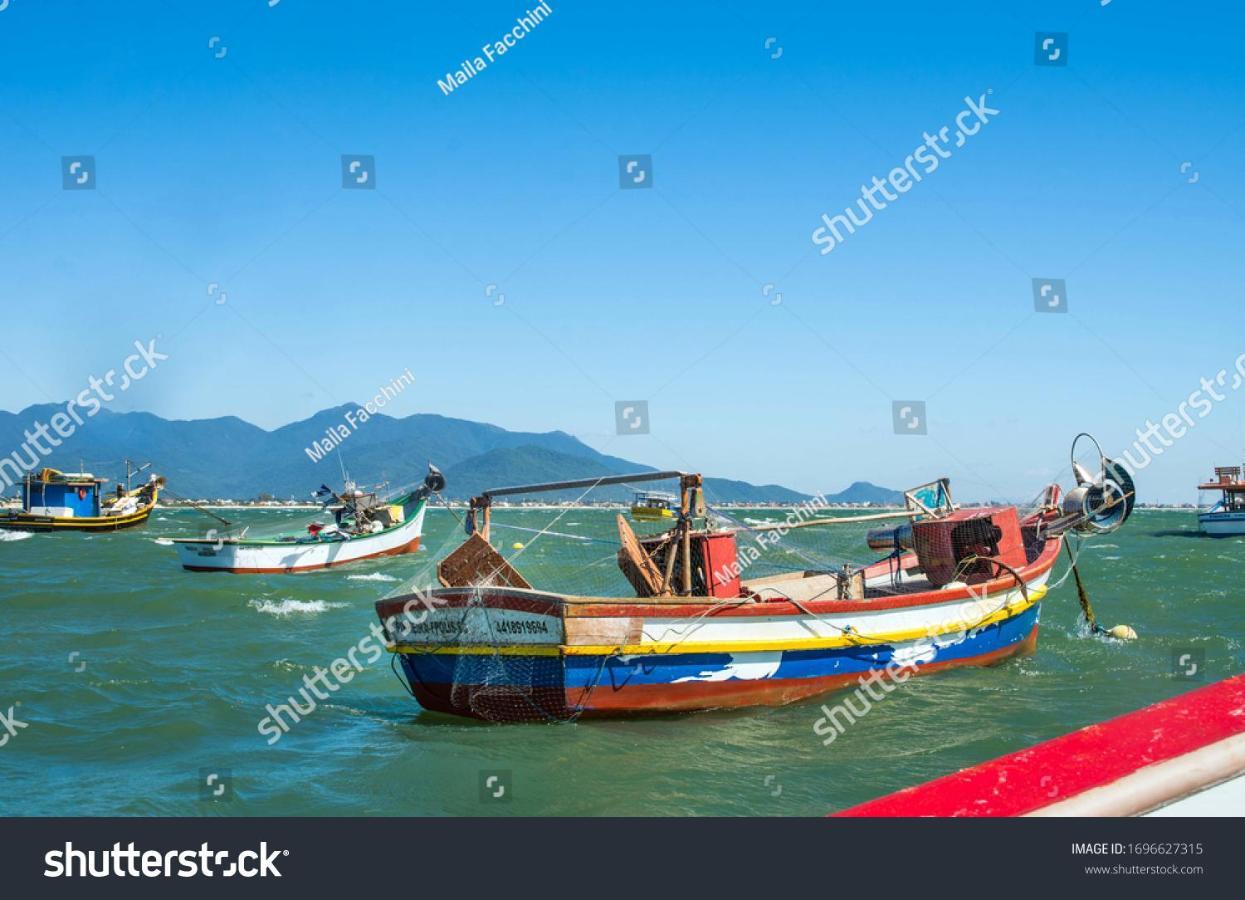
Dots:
{"x": 485, "y": 652}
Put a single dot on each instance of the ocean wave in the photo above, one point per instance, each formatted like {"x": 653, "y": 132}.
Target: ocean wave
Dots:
{"x": 374, "y": 576}
{"x": 163, "y": 542}
{"x": 15, "y": 535}
{"x": 290, "y": 607}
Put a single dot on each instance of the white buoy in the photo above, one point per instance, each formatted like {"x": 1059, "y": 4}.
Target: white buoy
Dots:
{"x": 1123, "y": 633}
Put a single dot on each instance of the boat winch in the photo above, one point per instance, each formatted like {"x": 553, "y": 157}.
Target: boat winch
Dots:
{"x": 1099, "y": 504}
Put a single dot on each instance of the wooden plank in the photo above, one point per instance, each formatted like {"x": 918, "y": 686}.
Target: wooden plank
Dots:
{"x": 597, "y": 631}
{"x": 636, "y": 564}
{"x": 475, "y": 562}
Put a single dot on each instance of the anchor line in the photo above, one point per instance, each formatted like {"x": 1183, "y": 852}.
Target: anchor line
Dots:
{"x": 200, "y": 508}
{"x": 393, "y": 667}
{"x": 563, "y": 534}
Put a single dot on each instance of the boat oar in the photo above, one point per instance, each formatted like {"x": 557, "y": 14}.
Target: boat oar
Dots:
{"x": 1119, "y": 632}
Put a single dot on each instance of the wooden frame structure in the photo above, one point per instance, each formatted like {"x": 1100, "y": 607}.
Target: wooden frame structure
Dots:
{"x": 691, "y": 505}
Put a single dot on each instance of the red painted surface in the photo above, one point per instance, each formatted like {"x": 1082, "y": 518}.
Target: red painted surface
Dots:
{"x": 396, "y": 551}
{"x": 941, "y": 551}
{"x": 720, "y": 556}
{"x": 1057, "y": 769}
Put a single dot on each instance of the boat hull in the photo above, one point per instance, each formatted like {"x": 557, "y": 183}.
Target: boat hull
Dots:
{"x": 27, "y": 522}
{"x": 242, "y": 557}
{"x": 1222, "y": 524}
{"x": 514, "y": 655}
{"x": 519, "y": 688}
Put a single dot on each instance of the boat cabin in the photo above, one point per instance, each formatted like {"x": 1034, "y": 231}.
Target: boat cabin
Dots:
{"x": 653, "y": 505}
{"x": 62, "y": 495}
{"x": 1228, "y": 482}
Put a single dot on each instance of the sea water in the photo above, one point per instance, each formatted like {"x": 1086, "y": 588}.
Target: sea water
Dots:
{"x": 132, "y": 678}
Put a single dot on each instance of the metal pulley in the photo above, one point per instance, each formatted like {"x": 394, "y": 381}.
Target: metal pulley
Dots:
{"x": 1099, "y": 504}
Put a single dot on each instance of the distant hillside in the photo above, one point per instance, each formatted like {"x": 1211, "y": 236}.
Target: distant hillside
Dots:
{"x": 864, "y": 492}
{"x": 230, "y": 458}
{"x": 528, "y": 464}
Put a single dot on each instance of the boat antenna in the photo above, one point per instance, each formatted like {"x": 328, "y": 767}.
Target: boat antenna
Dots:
{"x": 130, "y": 472}
{"x": 342, "y": 463}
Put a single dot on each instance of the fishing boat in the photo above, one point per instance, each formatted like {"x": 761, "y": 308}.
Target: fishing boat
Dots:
{"x": 956, "y": 586}
{"x": 652, "y": 506}
{"x": 364, "y": 527}
{"x": 53, "y": 500}
{"x": 1226, "y": 517}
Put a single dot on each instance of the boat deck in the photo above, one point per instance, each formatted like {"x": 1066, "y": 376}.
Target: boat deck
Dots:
{"x": 881, "y": 580}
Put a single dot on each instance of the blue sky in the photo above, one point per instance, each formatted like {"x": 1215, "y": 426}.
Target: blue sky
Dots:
{"x": 227, "y": 171}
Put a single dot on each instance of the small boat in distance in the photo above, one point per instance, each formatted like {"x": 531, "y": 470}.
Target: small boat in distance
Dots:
{"x": 53, "y": 500}
{"x": 1226, "y": 517}
{"x": 652, "y": 506}
{"x": 364, "y": 527}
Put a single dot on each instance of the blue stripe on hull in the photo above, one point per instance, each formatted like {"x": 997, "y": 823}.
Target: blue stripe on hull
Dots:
{"x": 443, "y": 669}
{"x": 582, "y": 672}
{"x": 668, "y": 668}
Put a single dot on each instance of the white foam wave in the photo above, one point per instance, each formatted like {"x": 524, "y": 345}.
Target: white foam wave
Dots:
{"x": 373, "y": 576}
{"x": 15, "y": 535}
{"x": 290, "y": 607}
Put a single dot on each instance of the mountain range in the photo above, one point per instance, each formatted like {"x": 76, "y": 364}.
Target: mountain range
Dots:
{"x": 230, "y": 458}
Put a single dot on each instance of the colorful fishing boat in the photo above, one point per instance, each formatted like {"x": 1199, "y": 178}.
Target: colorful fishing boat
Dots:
{"x": 652, "y": 506}
{"x": 1226, "y": 516}
{"x": 956, "y": 587}
{"x": 53, "y": 500}
{"x": 364, "y": 527}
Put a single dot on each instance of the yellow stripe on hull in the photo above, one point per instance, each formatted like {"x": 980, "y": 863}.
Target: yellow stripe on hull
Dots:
{"x": 83, "y": 523}
{"x": 827, "y": 643}
{"x": 641, "y": 512}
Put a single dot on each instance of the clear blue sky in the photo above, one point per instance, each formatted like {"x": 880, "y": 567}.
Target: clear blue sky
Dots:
{"x": 227, "y": 170}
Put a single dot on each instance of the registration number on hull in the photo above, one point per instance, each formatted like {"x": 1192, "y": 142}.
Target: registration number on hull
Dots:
{"x": 476, "y": 625}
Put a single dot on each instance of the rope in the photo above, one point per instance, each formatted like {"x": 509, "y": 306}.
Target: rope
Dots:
{"x": 1086, "y": 607}
{"x": 197, "y": 506}
{"x": 573, "y": 537}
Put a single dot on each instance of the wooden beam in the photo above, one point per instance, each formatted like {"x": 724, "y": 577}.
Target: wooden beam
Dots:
{"x": 583, "y": 483}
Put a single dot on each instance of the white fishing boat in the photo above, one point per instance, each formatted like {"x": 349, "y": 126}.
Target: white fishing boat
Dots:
{"x": 364, "y": 527}
{"x": 1226, "y": 517}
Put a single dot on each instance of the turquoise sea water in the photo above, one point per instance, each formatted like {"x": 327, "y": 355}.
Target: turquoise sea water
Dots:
{"x": 171, "y": 671}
